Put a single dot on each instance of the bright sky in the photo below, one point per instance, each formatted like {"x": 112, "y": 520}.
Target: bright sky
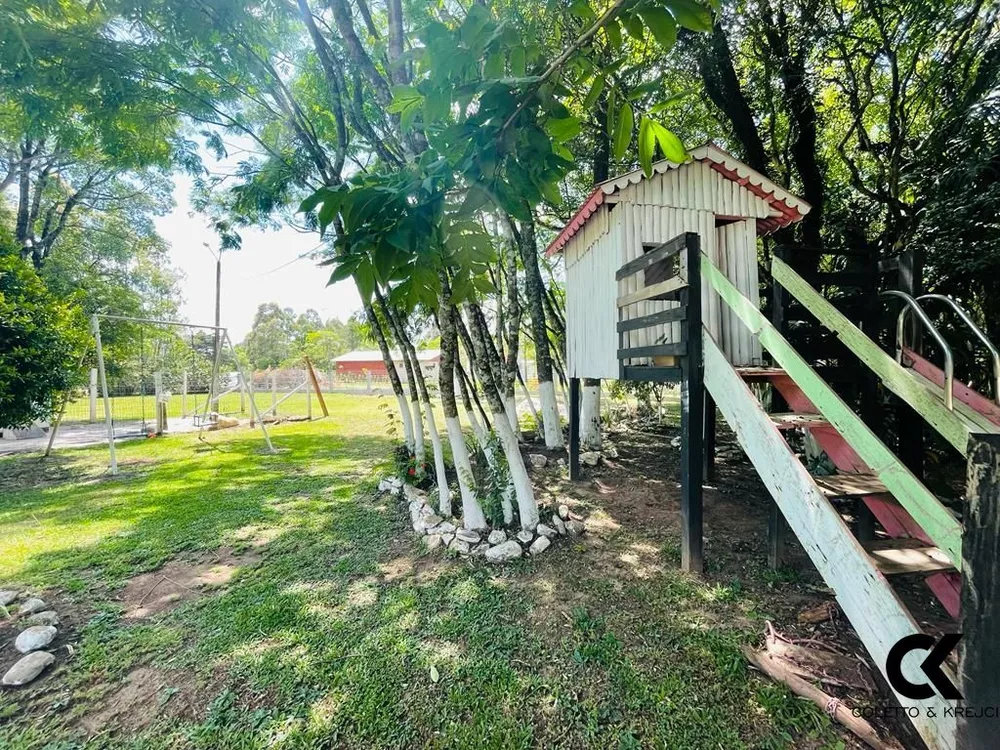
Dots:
{"x": 267, "y": 269}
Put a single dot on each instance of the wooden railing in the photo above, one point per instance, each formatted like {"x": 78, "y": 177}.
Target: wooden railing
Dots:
{"x": 670, "y": 272}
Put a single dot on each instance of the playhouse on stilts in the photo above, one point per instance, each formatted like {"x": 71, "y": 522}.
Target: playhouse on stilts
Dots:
{"x": 662, "y": 284}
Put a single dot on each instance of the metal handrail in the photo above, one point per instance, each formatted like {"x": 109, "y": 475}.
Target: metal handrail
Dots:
{"x": 965, "y": 318}
{"x": 949, "y": 360}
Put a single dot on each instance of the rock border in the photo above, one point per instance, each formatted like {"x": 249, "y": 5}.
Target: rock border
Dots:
{"x": 495, "y": 545}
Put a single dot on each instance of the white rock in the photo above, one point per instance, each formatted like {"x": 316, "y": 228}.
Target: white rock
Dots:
{"x": 389, "y": 484}
{"x": 546, "y": 531}
{"x": 481, "y": 549}
{"x": 48, "y": 617}
{"x": 34, "y": 638}
{"x": 467, "y": 535}
{"x": 432, "y": 520}
{"x": 539, "y": 545}
{"x": 676, "y": 442}
{"x": 447, "y": 538}
{"x": 610, "y": 451}
{"x": 7, "y": 596}
{"x": 575, "y": 528}
{"x": 497, "y": 536}
{"x": 412, "y": 493}
{"x": 461, "y": 546}
{"x": 445, "y": 527}
{"x": 557, "y": 522}
{"x": 524, "y": 536}
{"x": 28, "y": 668}
{"x": 433, "y": 541}
{"x": 509, "y": 550}
{"x": 538, "y": 460}
{"x": 590, "y": 458}
{"x": 561, "y": 463}
{"x": 30, "y": 606}
{"x": 564, "y": 512}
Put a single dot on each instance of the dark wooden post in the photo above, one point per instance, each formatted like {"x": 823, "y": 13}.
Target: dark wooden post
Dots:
{"x": 777, "y": 529}
{"x": 979, "y": 676}
{"x": 574, "y": 429}
{"x": 909, "y": 423}
{"x": 709, "y": 437}
{"x": 692, "y": 412}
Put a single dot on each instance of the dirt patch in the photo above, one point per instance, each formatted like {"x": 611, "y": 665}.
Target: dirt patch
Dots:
{"x": 182, "y": 580}
{"x": 146, "y": 694}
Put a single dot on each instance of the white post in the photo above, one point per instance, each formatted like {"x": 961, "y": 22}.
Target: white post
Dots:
{"x": 95, "y": 323}
{"x": 368, "y": 380}
{"x": 274, "y": 393}
{"x": 309, "y": 404}
{"x": 184, "y": 394}
{"x": 93, "y": 394}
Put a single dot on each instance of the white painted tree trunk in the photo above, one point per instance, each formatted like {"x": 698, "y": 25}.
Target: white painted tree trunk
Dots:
{"x": 550, "y": 415}
{"x": 444, "y": 492}
{"x": 590, "y": 418}
{"x": 510, "y": 406}
{"x": 531, "y": 407}
{"x": 419, "y": 451}
{"x": 526, "y": 507}
{"x": 404, "y": 415}
{"x": 507, "y": 498}
{"x": 472, "y": 512}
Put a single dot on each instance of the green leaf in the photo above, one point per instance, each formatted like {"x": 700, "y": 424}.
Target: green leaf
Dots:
{"x": 671, "y": 146}
{"x": 633, "y": 25}
{"x": 691, "y": 14}
{"x": 614, "y": 33}
{"x": 365, "y": 279}
{"x": 595, "y": 91}
{"x": 623, "y": 131}
{"x": 670, "y": 101}
{"x": 647, "y": 145}
{"x": 494, "y": 66}
{"x": 517, "y": 64}
{"x": 563, "y": 129}
{"x": 661, "y": 24}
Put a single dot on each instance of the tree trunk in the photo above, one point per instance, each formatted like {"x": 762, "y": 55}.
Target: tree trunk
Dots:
{"x": 527, "y": 508}
{"x": 535, "y": 289}
{"x": 590, "y": 415}
{"x": 390, "y": 368}
{"x": 513, "y": 320}
{"x": 472, "y": 512}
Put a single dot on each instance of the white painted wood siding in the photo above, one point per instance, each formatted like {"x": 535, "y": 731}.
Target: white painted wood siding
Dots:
{"x": 591, "y": 312}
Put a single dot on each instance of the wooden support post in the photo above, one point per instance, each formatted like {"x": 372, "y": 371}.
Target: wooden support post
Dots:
{"x": 776, "y": 532}
{"x": 692, "y": 412}
{"x": 909, "y": 423}
{"x": 779, "y": 302}
{"x": 864, "y": 522}
{"x": 184, "y": 394}
{"x": 253, "y": 403}
{"x": 574, "y": 429}
{"x": 93, "y": 394}
{"x": 274, "y": 394}
{"x": 709, "y": 437}
{"x": 316, "y": 387}
{"x": 978, "y": 675}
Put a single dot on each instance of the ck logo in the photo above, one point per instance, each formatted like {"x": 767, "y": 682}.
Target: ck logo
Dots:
{"x": 931, "y": 666}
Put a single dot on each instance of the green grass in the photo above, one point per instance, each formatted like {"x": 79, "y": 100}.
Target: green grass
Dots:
{"x": 329, "y": 643}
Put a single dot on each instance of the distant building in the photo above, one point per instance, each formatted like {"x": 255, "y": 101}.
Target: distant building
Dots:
{"x": 370, "y": 360}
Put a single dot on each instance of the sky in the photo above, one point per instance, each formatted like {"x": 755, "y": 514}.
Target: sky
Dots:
{"x": 270, "y": 267}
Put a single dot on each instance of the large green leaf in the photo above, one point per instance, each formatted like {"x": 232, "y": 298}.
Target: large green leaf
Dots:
{"x": 563, "y": 129}
{"x": 623, "y": 131}
{"x": 661, "y": 24}
{"x": 670, "y": 144}
{"x": 647, "y": 145}
{"x": 691, "y": 14}
{"x": 595, "y": 91}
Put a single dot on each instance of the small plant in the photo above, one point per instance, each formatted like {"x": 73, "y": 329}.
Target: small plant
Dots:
{"x": 491, "y": 479}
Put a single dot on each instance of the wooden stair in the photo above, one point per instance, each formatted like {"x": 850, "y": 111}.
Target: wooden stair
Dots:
{"x": 903, "y": 556}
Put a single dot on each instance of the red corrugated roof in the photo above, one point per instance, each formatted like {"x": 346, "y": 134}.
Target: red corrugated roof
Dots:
{"x": 787, "y": 207}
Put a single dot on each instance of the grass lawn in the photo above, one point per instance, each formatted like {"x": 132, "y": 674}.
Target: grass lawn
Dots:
{"x": 338, "y": 631}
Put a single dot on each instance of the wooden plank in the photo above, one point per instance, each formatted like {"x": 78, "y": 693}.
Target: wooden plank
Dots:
{"x": 654, "y": 292}
{"x": 648, "y": 374}
{"x": 939, "y": 523}
{"x": 876, "y": 613}
{"x": 692, "y": 416}
{"x": 658, "y": 253}
{"x": 980, "y": 678}
{"x": 788, "y": 421}
{"x": 850, "y": 485}
{"x": 989, "y": 410}
{"x": 660, "y": 350}
{"x": 892, "y": 374}
{"x": 759, "y": 374}
{"x": 672, "y": 315}
{"x": 902, "y": 556}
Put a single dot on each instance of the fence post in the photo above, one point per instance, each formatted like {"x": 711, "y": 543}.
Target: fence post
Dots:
{"x": 184, "y": 394}
{"x": 93, "y": 394}
{"x": 274, "y": 393}
{"x": 249, "y": 385}
{"x": 309, "y": 404}
{"x": 692, "y": 412}
{"x": 368, "y": 380}
{"x": 978, "y": 674}
{"x": 332, "y": 381}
